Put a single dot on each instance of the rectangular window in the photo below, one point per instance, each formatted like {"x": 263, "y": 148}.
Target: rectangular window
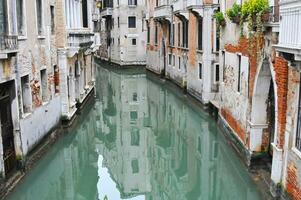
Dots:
{"x": 185, "y": 34}
{"x": 173, "y": 35}
{"x": 170, "y": 34}
{"x": 26, "y": 96}
{"x": 20, "y": 17}
{"x": 132, "y": 2}
{"x": 134, "y": 115}
{"x": 135, "y": 166}
{"x": 134, "y": 41}
{"x": 52, "y": 19}
{"x": 156, "y": 34}
{"x": 200, "y": 71}
{"x": 173, "y": 60}
{"x": 217, "y": 43}
{"x": 135, "y": 97}
{"x": 217, "y": 73}
{"x": 132, "y": 22}
{"x": 148, "y": 33}
{"x": 135, "y": 137}
{"x": 179, "y": 63}
{"x": 298, "y": 134}
{"x": 39, "y": 8}
{"x": 239, "y": 70}
{"x": 169, "y": 59}
{"x": 179, "y": 34}
{"x": 56, "y": 77}
{"x": 44, "y": 84}
{"x": 200, "y": 34}
{"x": 118, "y": 22}
{"x": 85, "y": 13}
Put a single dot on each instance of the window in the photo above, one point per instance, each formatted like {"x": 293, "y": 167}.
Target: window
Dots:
{"x": 239, "y": 70}
{"x": 179, "y": 34}
{"x": 298, "y": 134}
{"x": 200, "y": 71}
{"x": 179, "y": 63}
{"x": 85, "y": 13}
{"x": 132, "y": 2}
{"x": 200, "y": 34}
{"x": 217, "y": 44}
{"x": 135, "y": 97}
{"x": 157, "y": 2}
{"x": 170, "y": 34}
{"x": 52, "y": 19}
{"x": 56, "y": 77}
{"x": 185, "y": 33}
{"x": 173, "y": 60}
{"x": 118, "y": 41}
{"x": 20, "y": 17}
{"x": 132, "y": 22}
{"x": 134, "y": 41}
{"x": 173, "y": 35}
{"x": 134, "y": 115}
{"x": 39, "y": 16}
{"x": 118, "y": 22}
{"x": 156, "y": 34}
{"x": 148, "y": 33}
{"x": 135, "y": 166}
{"x": 44, "y": 84}
{"x": 26, "y": 94}
{"x": 169, "y": 59}
{"x": 216, "y": 79}
{"x": 135, "y": 137}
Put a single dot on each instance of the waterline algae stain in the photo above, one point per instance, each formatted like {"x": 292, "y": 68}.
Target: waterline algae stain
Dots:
{"x": 140, "y": 141}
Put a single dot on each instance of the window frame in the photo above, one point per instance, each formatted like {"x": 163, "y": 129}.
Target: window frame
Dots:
{"x": 297, "y": 130}
{"x": 133, "y": 25}
{"x": 24, "y": 21}
{"x": 41, "y": 33}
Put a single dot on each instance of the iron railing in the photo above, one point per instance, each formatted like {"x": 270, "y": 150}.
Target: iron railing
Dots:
{"x": 8, "y": 42}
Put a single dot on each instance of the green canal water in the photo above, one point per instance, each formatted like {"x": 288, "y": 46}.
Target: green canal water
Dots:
{"x": 139, "y": 140}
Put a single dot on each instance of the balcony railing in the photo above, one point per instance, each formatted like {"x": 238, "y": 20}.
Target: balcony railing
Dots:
{"x": 273, "y": 15}
{"x": 8, "y": 43}
{"x": 163, "y": 11}
{"x": 80, "y": 39}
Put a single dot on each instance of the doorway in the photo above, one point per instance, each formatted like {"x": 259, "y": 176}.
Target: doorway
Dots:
{"x": 7, "y": 131}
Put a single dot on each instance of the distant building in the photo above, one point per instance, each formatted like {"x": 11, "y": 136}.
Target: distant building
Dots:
{"x": 123, "y": 32}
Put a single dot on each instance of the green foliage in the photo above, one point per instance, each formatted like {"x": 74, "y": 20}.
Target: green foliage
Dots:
{"x": 234, "y": 13}
{"x": 253, "y": 7}
{"x": 220, "y": 19}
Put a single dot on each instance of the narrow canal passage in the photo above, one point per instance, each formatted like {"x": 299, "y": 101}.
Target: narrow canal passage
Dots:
{"x": 138, "y": 140}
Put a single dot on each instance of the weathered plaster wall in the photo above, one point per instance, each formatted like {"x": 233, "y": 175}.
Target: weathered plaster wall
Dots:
{"x": 33, "y": 132}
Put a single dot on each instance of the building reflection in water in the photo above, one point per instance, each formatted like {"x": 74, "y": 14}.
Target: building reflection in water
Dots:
{"x": 138, "y": 141}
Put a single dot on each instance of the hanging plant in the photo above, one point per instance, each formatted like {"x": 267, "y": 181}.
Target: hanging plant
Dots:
{"x": 220, "y": 19}
{"x": 234, "y": 13}
{"x": 253, "y": 7}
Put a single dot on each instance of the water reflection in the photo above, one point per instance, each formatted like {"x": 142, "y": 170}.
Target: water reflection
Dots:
{"x": 138, "y": 141}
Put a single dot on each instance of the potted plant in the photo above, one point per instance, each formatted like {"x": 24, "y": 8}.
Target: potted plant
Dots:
{"x": 251, "y": 8}
{"x": 234, "y": 13}
{"x": 220, "y": 19}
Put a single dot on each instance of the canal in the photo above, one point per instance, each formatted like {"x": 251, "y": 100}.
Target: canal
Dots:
{"x": 138, "y": 139}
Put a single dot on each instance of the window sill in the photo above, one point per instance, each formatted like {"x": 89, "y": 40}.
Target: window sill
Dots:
{"x": 184, "y": 48}
{"x": 22, "y": 37}
{"x": 132, "y": 6}
{"x": 199, "y": 51}
{"x": 41, "y": 37}
{"x": 296, "y": 151}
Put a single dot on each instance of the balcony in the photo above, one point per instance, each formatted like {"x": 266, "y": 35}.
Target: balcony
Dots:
{"x": 95, "y": 17}
{"x": 79, "y": 40}
{"x": 162, "y": 12}
{"x": 106, "y": 12}
{"x": 290, "y": 28}
{"x": 194, "y": 3}
{"x": 8, "y": 44}
{"x": 272, "y": 18}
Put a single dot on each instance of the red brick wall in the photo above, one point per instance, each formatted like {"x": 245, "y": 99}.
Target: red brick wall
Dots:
{"x": 281, "y": 71}
{"x": 252, "y": 52}
{"x": 234, "y": 124}
{"x": 292, "y": 185}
